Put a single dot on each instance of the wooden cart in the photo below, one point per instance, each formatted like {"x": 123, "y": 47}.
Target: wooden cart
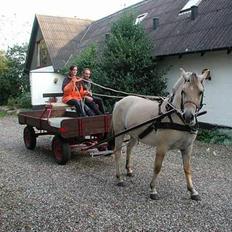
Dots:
{"x": 69, "y": 131}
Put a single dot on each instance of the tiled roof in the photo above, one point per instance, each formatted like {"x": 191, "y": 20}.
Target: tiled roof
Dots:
{"x": 57, "y": 33}
{"x": 176, "y": 34}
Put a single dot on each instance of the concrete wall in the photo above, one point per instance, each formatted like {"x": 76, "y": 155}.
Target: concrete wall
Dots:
{"x": 43, "y": 81}
{"x": 218, "y": 90}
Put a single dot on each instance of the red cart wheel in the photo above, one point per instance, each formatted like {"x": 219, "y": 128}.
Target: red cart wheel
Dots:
{"x": 61, "y": 150}
{"x": 29, "y": 137}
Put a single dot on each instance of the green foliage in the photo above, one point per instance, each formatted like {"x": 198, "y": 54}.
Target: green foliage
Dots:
{"x": 2, "y": 114}
{"x": 12, "y": 103}
{"x": 3, "y": 62}
{"x": 127, "y": 62}
{"x": 13, "y": 80}
{"x": 124, "y": 62}
{"x": 21, "y": 101}
{"x": 86, "y": 59}
{"x": 24, "y": 100}
{"x": 217, "y": 136}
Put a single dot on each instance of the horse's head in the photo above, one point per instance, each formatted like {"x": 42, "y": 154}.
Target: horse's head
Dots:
{"x": 189, "y": 95}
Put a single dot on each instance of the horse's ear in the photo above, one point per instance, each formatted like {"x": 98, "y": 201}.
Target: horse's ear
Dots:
{"x": 204, "y": 75}
{"x": 183, "y": 73}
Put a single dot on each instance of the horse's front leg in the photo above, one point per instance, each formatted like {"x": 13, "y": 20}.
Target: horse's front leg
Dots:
{"x": 186, "y": 156}
{"x": 117, "y": 155}
{"x": 157, "y": 167}
{"x": 130, "y": 145}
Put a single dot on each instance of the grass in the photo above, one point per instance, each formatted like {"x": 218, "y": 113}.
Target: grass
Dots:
{"x": 216, "y": 136}
{"x": 2, "y": 114}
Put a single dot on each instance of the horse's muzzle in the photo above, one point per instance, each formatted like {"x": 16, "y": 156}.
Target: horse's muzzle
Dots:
{"x": 189, "y": 118}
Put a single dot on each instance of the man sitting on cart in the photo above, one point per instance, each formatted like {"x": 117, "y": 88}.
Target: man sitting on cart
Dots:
{"x": 74, "y": 93}
{"x": 93, "y": 102}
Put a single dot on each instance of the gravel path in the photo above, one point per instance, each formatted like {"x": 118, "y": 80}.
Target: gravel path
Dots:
{"x": 36, "y": 194}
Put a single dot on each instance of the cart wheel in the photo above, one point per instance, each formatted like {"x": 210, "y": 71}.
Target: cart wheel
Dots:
{"x": 29, "y": 137}
{"x": 61, "y": 150}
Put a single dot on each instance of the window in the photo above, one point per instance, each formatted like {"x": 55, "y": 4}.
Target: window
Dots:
{"x": 42, "y": 54}
{"x": 140, "y": 18}
{"x": 189, "y": 4}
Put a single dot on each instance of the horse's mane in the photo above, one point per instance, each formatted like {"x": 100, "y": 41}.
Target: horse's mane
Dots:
{"x": 176, "y": 86}
{"x": 178, "y": 83}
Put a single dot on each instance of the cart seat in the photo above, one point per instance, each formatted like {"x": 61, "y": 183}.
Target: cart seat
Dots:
{"x": 58, "y": 105}
{"x": 56, "y": 122}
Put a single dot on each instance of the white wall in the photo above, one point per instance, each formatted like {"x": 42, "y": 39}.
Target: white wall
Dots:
{"x": 42, "y": 81}
{"x": 218, "y": 91}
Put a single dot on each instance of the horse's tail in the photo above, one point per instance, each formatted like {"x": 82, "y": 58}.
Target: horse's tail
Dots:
{"x": 111, "y": 141}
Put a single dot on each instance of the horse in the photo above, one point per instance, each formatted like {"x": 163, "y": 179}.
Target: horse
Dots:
{"x": 174, "y": 126}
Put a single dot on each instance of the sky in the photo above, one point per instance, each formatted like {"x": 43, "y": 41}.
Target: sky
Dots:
{"x": 17, "y": 16}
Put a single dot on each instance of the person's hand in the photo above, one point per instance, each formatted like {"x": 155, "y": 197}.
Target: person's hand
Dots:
{"x": 74, "y": 79}
{"x": 88, "y": 93}
{"x": 89, "y": 98}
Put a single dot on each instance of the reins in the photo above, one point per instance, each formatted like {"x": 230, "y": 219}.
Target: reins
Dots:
{"x": 156, "y": 121}
{"x": 151, "y": 127}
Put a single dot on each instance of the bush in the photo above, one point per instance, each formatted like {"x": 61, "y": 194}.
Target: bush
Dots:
{"x": 217, "y": 136}
{"x": 2, "y": 114}
{"x": 12, "y": 103}
{"x": 24, "y": 100}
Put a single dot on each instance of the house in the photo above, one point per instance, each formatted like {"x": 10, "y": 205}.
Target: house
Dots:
{"x": 44, "y": 59}
{"x": 193, "y": 34}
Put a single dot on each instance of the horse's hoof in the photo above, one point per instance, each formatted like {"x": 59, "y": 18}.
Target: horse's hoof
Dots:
{"x": 120, "y": 184}
{"x": 195, "y": 197}
{"x": 154, "y": 196}
{"x": 130, "y": 174}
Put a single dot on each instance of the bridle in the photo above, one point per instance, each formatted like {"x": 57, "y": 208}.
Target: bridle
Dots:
{"x": 180, "y": 111}
{"x": 197, "y": 106}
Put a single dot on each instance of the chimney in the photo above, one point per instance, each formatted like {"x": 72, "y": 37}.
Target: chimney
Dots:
{"x": 155, "y": 23}
{"x": 107, "y": 36}
{"x": 194, "y": 12}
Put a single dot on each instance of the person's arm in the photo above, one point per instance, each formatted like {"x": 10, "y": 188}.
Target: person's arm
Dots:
{"x": 69, "y": 85}
{"x": 65, "y": 82}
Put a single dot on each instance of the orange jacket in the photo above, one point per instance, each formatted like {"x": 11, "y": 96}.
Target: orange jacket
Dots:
{"x": 73, "y": 90}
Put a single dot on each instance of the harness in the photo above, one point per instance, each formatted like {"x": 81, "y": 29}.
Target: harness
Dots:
{"x": 158, "y": 124}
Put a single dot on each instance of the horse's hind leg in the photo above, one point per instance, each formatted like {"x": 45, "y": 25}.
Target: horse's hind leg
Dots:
{"x": 117, "y": 155}
{"x": 130, "y": 145}
{"x": 186, "y": 156}
{"x": 160, "y": 153}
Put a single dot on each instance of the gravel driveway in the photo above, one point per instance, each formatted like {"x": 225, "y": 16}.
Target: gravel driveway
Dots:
{"x": 36, "y": 194}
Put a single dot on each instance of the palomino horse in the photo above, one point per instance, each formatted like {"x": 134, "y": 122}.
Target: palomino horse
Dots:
{"x": 176, "y": 130}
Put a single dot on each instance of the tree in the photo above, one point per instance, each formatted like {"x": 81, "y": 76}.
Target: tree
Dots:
{"x": 3, "y": 62}
{"x": 86, "y": 59}
{"x": 13, "y": 80}
{"x": 3, "y": 69}
{"x": 127, "y": 61}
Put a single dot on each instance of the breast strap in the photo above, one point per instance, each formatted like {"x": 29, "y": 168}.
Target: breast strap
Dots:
{"x": 168, "y": 125}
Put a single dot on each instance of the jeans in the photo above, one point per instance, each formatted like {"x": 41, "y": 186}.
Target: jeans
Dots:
{"x": 81, "y": 111}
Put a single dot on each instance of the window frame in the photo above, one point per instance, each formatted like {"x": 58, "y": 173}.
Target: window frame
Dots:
{"x": 188, "y": 5}
{"x": 140, "y": 18}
